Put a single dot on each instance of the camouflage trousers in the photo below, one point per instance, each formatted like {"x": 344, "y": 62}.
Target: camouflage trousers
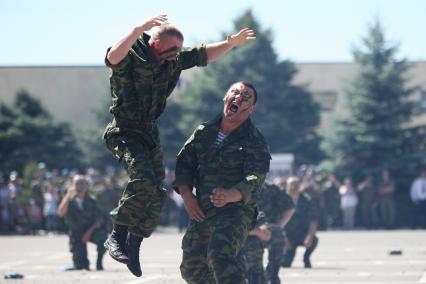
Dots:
{"x": 275, "y": 254}
{"x": 252, "y": 256}
{"x": 78, "y": 249}
{"x": 143, "y": 198}
{"x": 211, "y": 248}
{"x": 387, "y": 211}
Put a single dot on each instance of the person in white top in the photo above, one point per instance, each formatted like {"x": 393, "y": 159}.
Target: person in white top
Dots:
{"x": 50, "y": 207}
{"x": 418, "y": 196}
{"x": 349, "y": 201}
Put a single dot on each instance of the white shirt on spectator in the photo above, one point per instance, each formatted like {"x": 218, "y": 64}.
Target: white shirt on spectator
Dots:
{"x": 348, "y": 197}
{"x": 50, "y": 204}
{"x": 418, "y": 190}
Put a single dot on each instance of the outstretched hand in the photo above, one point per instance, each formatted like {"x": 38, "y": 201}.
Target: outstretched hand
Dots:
{"x": 242, "y": 37}
{"x": 153, "y": 22}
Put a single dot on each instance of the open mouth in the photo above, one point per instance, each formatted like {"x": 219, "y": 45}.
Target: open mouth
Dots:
{"x": 233, "y": 108}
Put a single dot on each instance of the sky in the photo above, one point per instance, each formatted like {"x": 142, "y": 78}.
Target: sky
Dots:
{"x": 77, "y": 32}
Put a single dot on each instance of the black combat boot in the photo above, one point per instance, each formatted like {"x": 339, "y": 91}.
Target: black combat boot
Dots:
{"x": 116, "y": 244}
{"x": 133, "y": 246}
{"x": 272, "y": 271}
{"x": 101, "y": 252}
{"x": 99, "y": 265}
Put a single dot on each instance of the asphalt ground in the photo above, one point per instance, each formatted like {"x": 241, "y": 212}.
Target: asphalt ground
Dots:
{"x": 341, "y": 257}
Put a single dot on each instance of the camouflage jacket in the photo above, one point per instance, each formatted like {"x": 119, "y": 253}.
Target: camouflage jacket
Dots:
{"x": 79, "y": 220}
{"x": 306, "y": 211}
{"x": 140, "y": 86}
{"x": 274, "y": 202}
{"x": 241, "y": 163}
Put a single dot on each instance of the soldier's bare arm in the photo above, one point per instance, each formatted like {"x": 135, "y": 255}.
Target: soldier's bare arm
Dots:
{"x": 191, "y": 204}
{"x": 63, "y": 206}
{"x": 263, "y": 234}
{"x": 218, "y": 49}
{"x": 122, "y": 47}
{"x": 286, "y": 217}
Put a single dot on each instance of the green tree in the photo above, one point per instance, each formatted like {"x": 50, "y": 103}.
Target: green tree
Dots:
{"x": 171, "y": 136}
{"x": 371, "y": 136}
{"x": 93, "y": 146}
{"x": 286, "y": 114}
{"x": 29, "y": 134}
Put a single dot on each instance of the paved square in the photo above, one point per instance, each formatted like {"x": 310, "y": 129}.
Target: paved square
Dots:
{"x": 341, "y": 257}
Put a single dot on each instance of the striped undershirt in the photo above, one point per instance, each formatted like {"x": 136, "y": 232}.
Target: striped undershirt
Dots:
{"x": 219, "y": 139}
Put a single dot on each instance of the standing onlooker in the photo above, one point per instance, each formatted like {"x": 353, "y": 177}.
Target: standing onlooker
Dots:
{"x": 348, "y": 203}
{"x": 368, "y": 197}
{"x": 15, "y": 184}
{"x": 418, "y": 196}
{"x": 332, "y": 201}
{"x": 386, "y": 201}
{"x": 5, "y": 209}
{"x": 35, "y": 217}
{"x": 50, "y": 207}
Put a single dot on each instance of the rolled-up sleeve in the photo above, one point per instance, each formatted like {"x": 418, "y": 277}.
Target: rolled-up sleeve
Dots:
{"x": 256, "y": 166}
{"x": 196, "y": 56}
{"x": 122, "y": 65}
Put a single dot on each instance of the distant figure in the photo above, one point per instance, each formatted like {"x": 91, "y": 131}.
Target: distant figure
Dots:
{"x": 84, "y": 219}
{"x": 418, "y": 196}
{"x": 386, "y": 200}
{"x": 348, "y": 203}
{"x": 368, "y": 198}
{"x": 278, "y": 207}
{"x": 302, "y": 227}
{"x": 251, "y": 254}
{"x": 332, "y": 201}
{"x": 35, "y": 216}
{"x": 51, "y": 207}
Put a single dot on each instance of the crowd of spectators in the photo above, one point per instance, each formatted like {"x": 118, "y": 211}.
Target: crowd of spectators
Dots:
{"x": 31, "y": 207}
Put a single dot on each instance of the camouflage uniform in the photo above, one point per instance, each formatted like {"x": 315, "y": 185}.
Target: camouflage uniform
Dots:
{"x": 386, "y": 204}
{"x": 274, "y": 202}
{"x": 210, "y": 248}
{"x": 251, "y": 255}
{"x": 298, "y": 227}
{"x": 79, "y": 220}
{"x": 139, "y": 90}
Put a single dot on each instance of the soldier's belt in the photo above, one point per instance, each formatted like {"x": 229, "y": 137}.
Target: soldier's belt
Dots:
{"x": 131, "y": 124}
